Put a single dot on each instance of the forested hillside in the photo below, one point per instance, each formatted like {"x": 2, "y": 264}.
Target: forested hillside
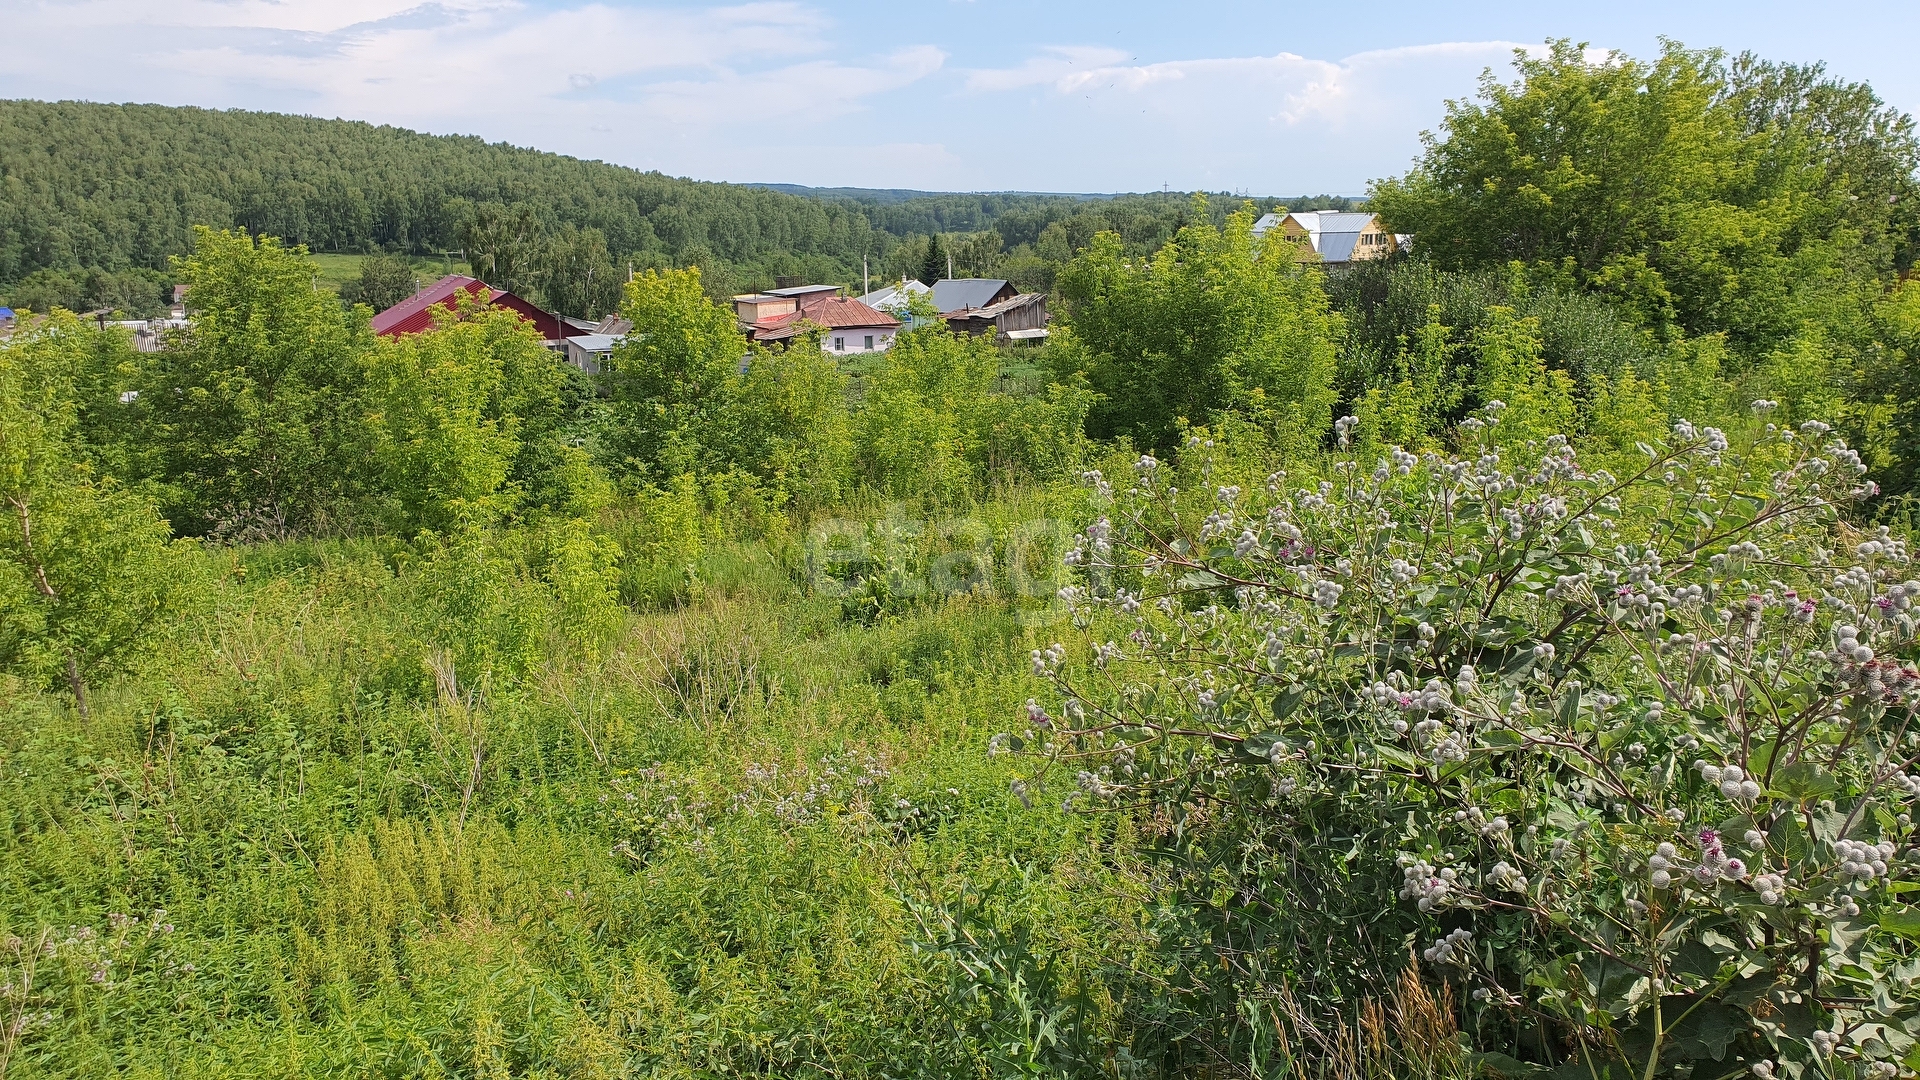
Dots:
{"x": 120, "y": 186}
{"x": 95, "y": 199}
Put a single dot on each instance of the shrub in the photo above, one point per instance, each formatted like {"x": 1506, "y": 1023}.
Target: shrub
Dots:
{"x": 1627, "y": 758}
{"x": 442, "y": 419}
{"x": 85, "y": 565}
{"x": 933, "y": 424}
{"x": 254, "y": 414}
{"x": 1214, "y": 320}
{"x": 670, "y": 380}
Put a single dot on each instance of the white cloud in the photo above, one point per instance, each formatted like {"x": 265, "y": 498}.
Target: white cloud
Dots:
{"x": 1275, "y": 124}
{"x": 1058, "y": 65}
{"x": 818, "y": 90}
{"x": 1287, "y": 87}
{"x": 762, "y": 90}
{"x": 499, "y": 66}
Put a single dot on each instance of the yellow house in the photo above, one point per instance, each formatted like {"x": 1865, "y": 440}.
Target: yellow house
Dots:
{"x": 1337, "y": 236}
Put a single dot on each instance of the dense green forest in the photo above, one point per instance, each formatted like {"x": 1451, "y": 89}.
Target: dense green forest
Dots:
{"x": 95, "y": 199}
{"x": 1493, "y": 662}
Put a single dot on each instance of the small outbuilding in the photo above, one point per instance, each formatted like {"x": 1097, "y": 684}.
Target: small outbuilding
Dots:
{"x": 955, "y": 294}
{"x": 1022, "y": 317}
{"x": 589, "y": 352}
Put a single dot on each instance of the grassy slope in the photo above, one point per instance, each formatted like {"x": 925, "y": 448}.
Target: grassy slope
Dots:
{"x": 337, "y": 270}
{"x": 683, "y": 858}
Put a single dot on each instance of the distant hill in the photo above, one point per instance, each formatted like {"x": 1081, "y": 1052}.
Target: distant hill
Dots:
{"x": 890, "y": 196}
{"x": 94, "y": 199}
{"x": 119, "y": 186}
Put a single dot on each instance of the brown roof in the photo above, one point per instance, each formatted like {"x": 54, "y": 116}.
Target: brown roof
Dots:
{"x": 831, "y": 313}
{"x": 994, "y": 310}
{"x": 840, "y": 313}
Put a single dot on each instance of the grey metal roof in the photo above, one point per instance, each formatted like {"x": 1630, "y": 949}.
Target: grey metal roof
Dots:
{"x": 802, "y": 290}
{"x": 888, "y": 297}
{"x": 595, "y": 343}
{"x": 952, "y": 294}
{"x": 1332, "y": 220}
{"x": 1267, "y": 223}
{"x": 1337, "y": 247}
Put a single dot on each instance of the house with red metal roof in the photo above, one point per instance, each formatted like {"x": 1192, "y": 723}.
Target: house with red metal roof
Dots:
{"x": 415, "y": 313}
{"x": 850, "y": 326}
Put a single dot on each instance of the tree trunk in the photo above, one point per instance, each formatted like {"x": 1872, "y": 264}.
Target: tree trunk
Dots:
{"x": 77, "y": 684}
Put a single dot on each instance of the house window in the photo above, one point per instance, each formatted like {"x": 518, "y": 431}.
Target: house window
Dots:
{"x": 869, "y": 342}
{"x": 839, "y": 344}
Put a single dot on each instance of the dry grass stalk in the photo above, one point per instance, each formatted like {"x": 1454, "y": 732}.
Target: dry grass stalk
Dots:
{"x": 1410, "y": 1036}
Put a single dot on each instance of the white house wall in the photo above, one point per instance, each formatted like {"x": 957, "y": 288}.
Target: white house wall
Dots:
{"x": 856, "y": 341}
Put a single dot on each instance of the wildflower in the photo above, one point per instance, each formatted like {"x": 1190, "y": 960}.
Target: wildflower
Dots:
{"x": 1343, "y": 430}
{"x": 1455, "y": 947}
{"x": 1428, "y": 888}
{"x": 1863, "y": 861}
{"x": 1504, "y": 876}
{"x": 1048, "y": 659}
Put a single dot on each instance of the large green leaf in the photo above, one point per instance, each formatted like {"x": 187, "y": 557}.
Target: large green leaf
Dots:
{"x": 1708, "y": 1030}
{"x": 1902, "y": 921}
{"x": 1804, "y": 780}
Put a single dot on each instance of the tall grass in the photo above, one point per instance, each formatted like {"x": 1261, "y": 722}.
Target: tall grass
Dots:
{"x": 377, "y": 809}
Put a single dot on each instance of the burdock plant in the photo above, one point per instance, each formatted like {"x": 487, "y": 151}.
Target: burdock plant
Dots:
{"x": 1637, "y": 752}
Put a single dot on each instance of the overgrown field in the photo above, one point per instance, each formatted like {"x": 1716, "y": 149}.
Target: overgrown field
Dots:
{"x": 377, "y": 809}
{"x": 1494, "y": 660}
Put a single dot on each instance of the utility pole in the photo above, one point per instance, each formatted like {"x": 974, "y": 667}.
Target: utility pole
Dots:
{"x": 866, "y": 286}
{"x": 949, "y": 266}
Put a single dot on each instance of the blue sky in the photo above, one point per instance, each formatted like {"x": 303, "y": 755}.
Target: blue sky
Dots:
{"x": 1266, "y": 98}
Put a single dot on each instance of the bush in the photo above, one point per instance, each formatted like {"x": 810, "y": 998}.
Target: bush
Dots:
{"x": 932, "y": 424}
{"x": 451, "y": 412}
{"x": 254, "y": 417}
{"x": 1214, "y": 320}
{"x": 384, "y": 280}
{"x": 86, "y": 569}
{"x": 1627, "y": 758}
